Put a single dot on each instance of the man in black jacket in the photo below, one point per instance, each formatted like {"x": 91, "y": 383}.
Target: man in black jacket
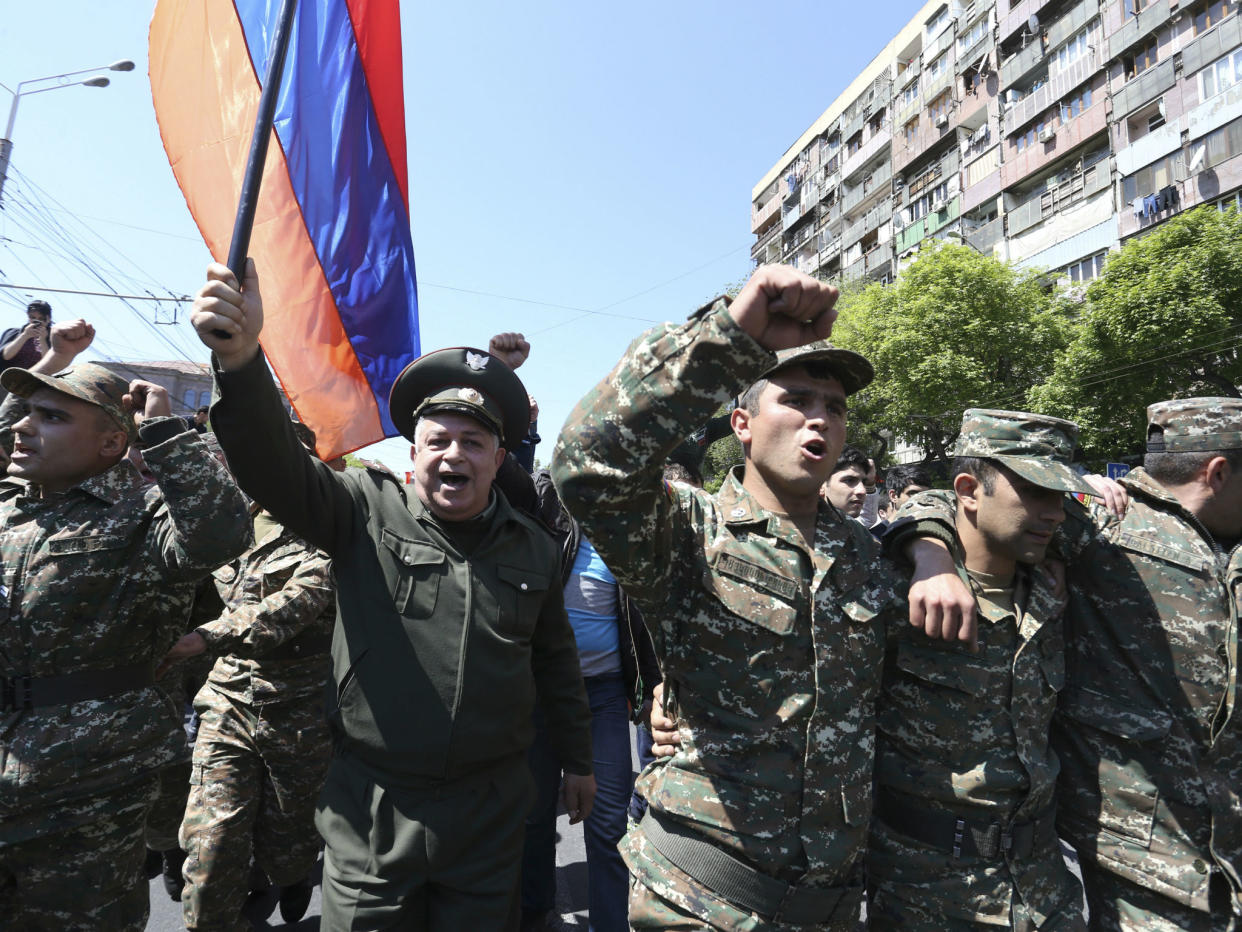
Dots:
{"x": 620, "y": 671}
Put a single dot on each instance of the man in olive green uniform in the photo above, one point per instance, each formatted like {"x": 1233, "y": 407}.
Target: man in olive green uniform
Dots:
{"x": 963, "y": 835}
{"x": 98, "y": 572}
{"x": 449, "y": 619}
{"x": 770, "y": 610}
{"x": 1147, "y": 730}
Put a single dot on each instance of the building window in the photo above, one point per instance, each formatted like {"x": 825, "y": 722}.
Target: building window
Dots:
{"x": 936, "y": 68}
{"x": 854, "y": 144}
{"x": 910, "y": 130}
{"x": 1028, "y": 137}
{"x": 939, "y": 107}
{"x": 1221, "y": 75}
{"x": 922, "y": 207}
{"x": 204, "y": 398}
{"x": 1074, "y": 106}
{"x": 909, "y": 94}
{"x": 1152, "y": 178}
{"x": 938, "y": 20}
{"x": 1222, "y": 144}
{"x": 1135, "y": 7}
{"x": 188, "y": 399}
{"x": 1230, "y": 202}
{"x": 1073, "y": 50}
{"x": 1086, "y": 269}
{"x": 1140, "y": 59}
{"x": 974, "y": 34}
{"x": 1207, "y": 15}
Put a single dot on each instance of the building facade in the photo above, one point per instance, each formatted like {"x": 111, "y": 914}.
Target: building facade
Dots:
{"x": 188, "y": 383}
{"x": 1041, "y": 131}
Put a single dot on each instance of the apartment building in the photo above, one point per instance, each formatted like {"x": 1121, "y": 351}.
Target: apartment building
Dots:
{"x": 1042, "y": 131}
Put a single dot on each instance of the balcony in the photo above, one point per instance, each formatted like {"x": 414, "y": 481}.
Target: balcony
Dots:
{"x": 1136, "y": 28}
{"x": 1147, "y": 86}
{"x": 761, "y": 244}
{"x": 1057, "y": 197}
{"x": 1071, "y": 21}
{"x": 985, "y": 237}
{"x": 1018, "y": 165}
{"x": 867, "y": 151}
{"x": 878, "y": 260}
{"x": 1212, "y": 45}
{"x": 759, "y": 216}
{"x": 1017, "y": 66}
{"x": 873, "y": 219}
{"x": 920, "y": 229}
{"x": 854, "y": 270}
{"x": 1036, "y": 102}
{"x": 926, "y": 137}
{"x": 1017, "y": 16}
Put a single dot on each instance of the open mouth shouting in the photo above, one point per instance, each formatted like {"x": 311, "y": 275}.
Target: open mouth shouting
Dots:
{"x": 815, "y": 450}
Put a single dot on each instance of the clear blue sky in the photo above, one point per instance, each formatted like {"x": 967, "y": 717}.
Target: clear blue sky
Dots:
{"x": 591, "y": 157}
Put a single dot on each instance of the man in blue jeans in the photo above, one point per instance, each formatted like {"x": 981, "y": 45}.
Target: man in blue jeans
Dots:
{"x": 620, "y": 671}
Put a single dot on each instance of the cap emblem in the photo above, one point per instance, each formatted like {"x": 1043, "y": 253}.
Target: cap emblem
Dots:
{"x": 476, "y": 361}
{"x": 470, "y": 395}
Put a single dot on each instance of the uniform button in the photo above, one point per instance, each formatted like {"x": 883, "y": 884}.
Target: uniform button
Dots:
{"x": 409, "y": 559}
{"x": 1200, "y": 866}
{"x": 524, "y": 587}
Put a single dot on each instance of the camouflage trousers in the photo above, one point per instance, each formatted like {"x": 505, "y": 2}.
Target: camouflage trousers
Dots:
{"x": 164, "y": 819}
{"x": 662, "y": 897}
{"x": 86, "y": 876}
{"x": 255, "y": 778}
{"x": 1119, "y": 905}
{"x": 918, "y": 887}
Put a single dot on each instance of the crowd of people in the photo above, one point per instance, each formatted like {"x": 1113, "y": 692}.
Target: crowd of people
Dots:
{"x": 855, "y": 704}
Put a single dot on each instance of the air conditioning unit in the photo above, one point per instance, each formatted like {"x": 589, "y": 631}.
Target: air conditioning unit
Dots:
{"x": 1046, "y": 134}
{"x": 942, "y": 120}
{"x": 937, "y": 204}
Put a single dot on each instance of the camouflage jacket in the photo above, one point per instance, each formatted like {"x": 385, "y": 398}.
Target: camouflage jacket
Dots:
{"x": 98, "y": 577}
{"x": 436, "y": 656}
{"x": 772, "y": 651}
{"x": 969, "y": 733}
{"x": 279, "y": 590}
{"x": 1146, "y": 730}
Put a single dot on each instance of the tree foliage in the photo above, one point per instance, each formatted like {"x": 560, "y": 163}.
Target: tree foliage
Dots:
{"x": 956, "y": 330}
{"x": 1164, "y": 320}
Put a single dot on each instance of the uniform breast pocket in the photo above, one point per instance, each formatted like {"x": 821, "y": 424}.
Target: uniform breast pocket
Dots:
{"x": 521, "y": 598}
{"x": 418, "y": 569}
{"x": 278, "y": 571}
{"x": 93, "y": 561}
{"x": 948, "y": 668}
{"x": 753, "y": 623}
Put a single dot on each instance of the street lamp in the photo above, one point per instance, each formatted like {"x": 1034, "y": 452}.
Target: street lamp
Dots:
{"x": 98, "y": 80}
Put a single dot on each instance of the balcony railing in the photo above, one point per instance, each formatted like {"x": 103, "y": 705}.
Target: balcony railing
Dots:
{"x": 760, "y": 216}
{"x": 1018, "y": 15}
{"x": 1057, "y": 197}
{"x": 1036, "y": 102}
{"x": 1212, "y": 45}
{"x": 878, "y": 257}
{"x": 1017, "y": 66}
{"x": 1150, "y": 84}
{"x": 985, "y": 237}
{"x": 854, "y": 270}
{"x": 1136, "y": 27}
{"x": 866, "y": 152}
{"x": 1071, "y": 21}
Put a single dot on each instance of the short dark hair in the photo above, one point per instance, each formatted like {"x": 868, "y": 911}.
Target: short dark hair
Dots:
{"x": 680, "y": 472}
{"x": 1178, "y": 468}
{"x": 982, "y": 469}
{"x": 851, "y": 457}
{"x": 900, "y": 478}
{"x": 816, "y": 369}
{"x": 203, "y": 409}
{"x": 40, "y": 307}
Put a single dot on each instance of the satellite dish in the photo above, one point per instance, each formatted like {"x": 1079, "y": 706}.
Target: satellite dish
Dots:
{"x": 1032, "y": 23}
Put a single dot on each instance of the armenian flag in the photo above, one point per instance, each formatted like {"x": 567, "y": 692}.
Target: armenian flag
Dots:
{"x": 331, "y": 237}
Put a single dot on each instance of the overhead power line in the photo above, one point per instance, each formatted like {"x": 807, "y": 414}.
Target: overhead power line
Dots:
{"x": 97, "y": 294}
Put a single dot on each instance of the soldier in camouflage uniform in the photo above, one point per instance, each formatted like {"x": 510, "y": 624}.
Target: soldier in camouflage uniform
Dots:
{"x": 963, "y": 834}
{"x": 263, "y": 748}
{"x": 770, "y": 610}
{"x": 97, "y": 570}
{"x": 1147, "y": 729}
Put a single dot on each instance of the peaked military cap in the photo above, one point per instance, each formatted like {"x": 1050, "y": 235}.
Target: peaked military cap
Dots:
{"x": 1194, "y": 425}
{"x": 852, "y": 370}
{"x": 86, "y": 381}
{"x": 468, "y": 381}
{"x": 1036, "y": 447}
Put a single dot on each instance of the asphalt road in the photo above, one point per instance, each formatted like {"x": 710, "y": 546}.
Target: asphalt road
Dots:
{"x": 264, "y": 911}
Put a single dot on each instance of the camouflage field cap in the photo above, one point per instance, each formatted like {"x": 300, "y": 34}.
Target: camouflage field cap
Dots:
{"x": 468, "y": 381}
{"x": 1194, "y": 425}
{"x": 1036, "y": 447}
{"x": 853, "y": 370}
{"x": 85, "y": 381}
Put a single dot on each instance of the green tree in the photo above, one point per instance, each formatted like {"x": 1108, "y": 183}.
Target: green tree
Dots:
{"x": 1164, "y": 320}
{"x": 956, "y": 330}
